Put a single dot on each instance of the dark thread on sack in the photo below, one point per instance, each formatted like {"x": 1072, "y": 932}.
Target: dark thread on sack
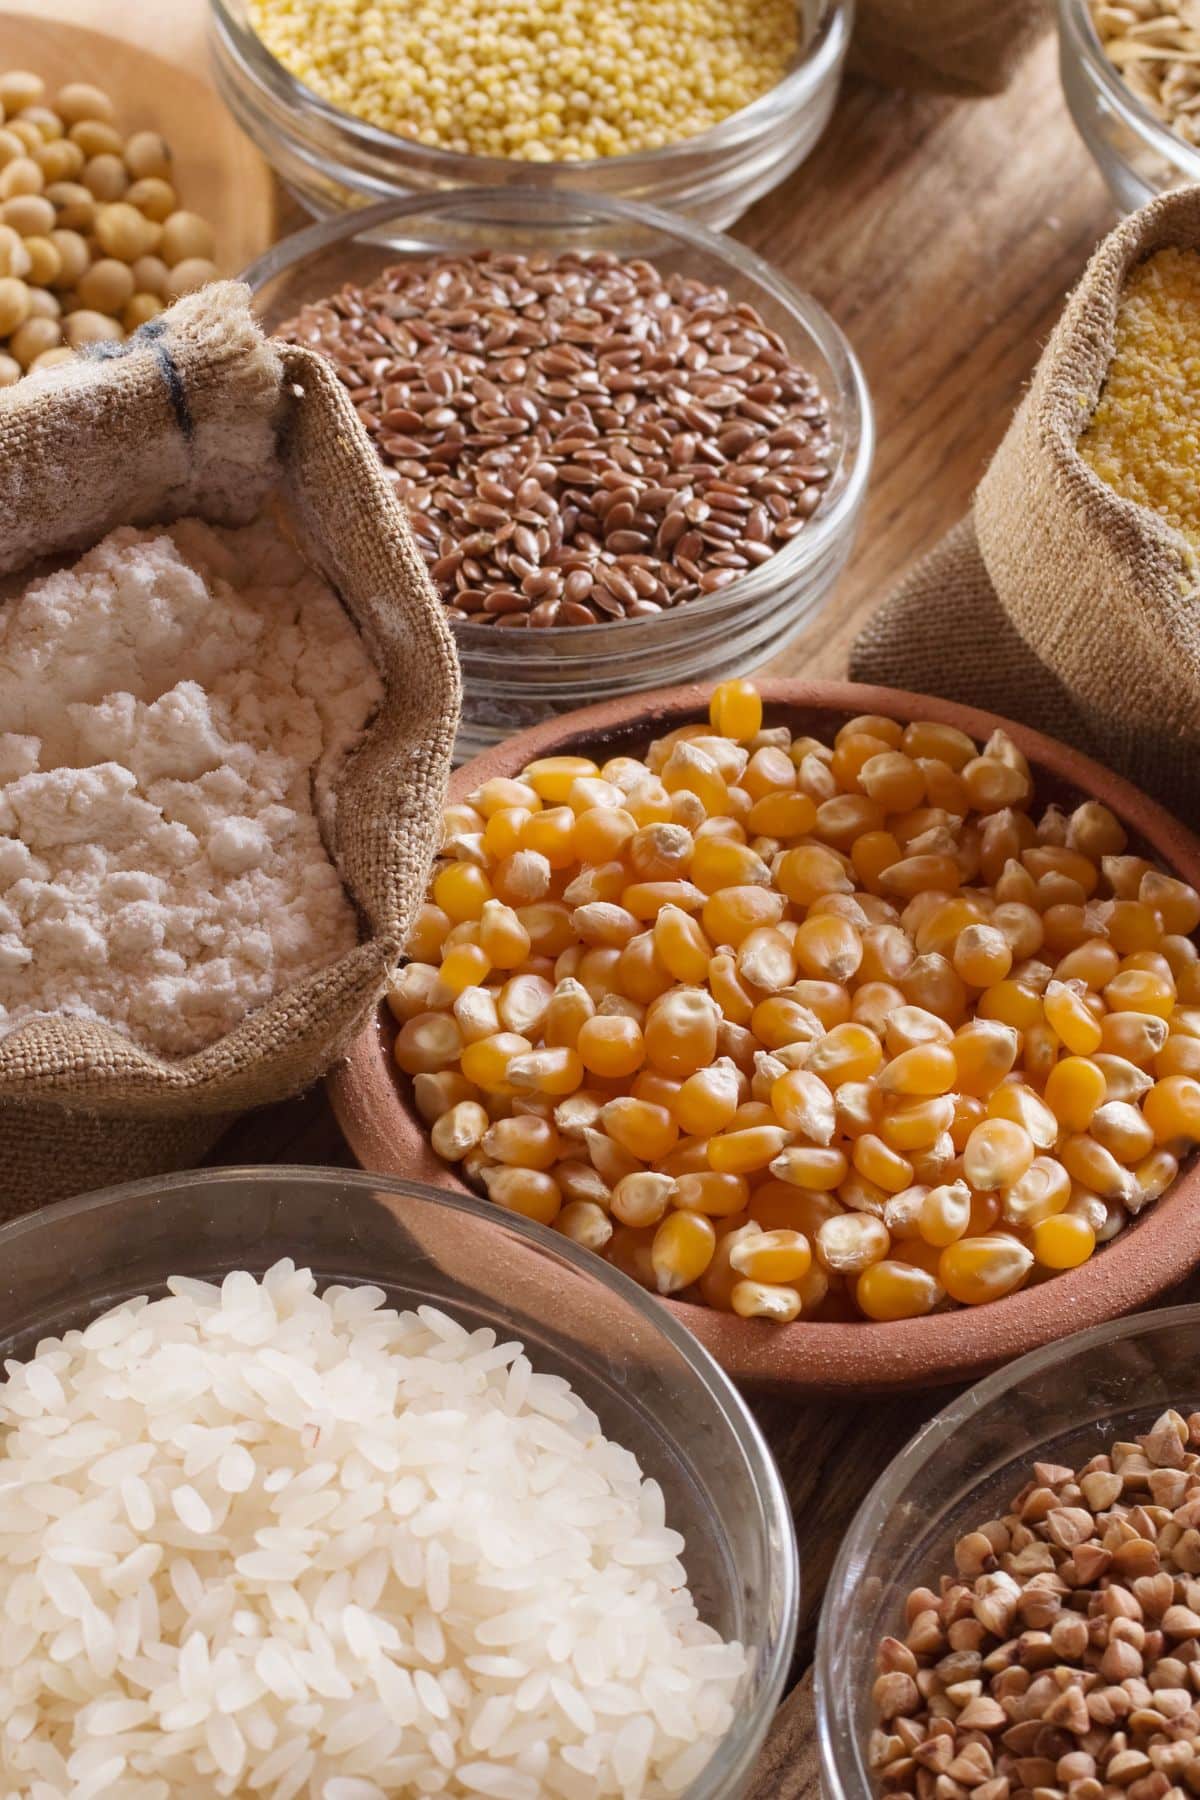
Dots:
{"x": 147, "y": 334}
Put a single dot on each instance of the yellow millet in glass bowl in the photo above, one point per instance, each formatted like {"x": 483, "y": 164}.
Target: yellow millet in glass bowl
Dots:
{"x": 534, "y": 80}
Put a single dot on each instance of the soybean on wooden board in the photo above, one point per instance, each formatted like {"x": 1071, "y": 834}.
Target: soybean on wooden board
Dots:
{"x": 149, "y": 56}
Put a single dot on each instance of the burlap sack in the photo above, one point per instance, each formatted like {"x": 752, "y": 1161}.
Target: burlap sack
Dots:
{"x": 200, "y": 414}
{"x": 1057, "y": 602}
{"x": 948, "y": 46}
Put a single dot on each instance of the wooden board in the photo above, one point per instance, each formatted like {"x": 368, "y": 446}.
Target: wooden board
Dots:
{"x": 152, "y": 59}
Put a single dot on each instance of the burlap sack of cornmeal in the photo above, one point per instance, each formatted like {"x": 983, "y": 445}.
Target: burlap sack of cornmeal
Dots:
{"x": 949, "y": 46}
{"x": 1055, "y": 601}
{"x": 201, "y": 415}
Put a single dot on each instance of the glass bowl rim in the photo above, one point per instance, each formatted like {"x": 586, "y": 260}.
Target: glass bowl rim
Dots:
{"x": 1077, "y": 31}
{"x": 728, "y": 133}
{"x": 851, "y": 395}
{"x": 719, "y": 1390}
{"x": 917, "y": 1454}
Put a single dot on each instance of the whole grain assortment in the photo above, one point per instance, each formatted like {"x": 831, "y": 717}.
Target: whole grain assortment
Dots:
{"x": 1060, "y": 1654}
{"x": 1154, "y": 45}
{"x": 795, "y": 1028}
{"x": 577, "y": 438}
{"x": 95, "y": 238}
{"x": 260, "y": 1539}
{"x": 538, "y": 80}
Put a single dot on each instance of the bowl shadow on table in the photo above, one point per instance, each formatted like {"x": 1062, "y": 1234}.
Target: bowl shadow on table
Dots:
{"x": 1151, "y": 1255}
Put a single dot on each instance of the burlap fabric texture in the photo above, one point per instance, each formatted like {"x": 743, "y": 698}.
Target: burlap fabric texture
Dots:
{"x": 949, "y": 46}
{"x": 201, "y": 415}
{"x": 1055, "y": 601}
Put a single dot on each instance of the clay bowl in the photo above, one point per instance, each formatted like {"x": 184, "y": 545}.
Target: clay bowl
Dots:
{"x": 1148, "y": 1258}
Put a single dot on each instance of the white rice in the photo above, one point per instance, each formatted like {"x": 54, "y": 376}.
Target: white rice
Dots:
{"x": 259, "y": 1542}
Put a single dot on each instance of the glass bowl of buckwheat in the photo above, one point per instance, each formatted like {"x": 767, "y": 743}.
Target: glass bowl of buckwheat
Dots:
{"x": 631, "y": 453}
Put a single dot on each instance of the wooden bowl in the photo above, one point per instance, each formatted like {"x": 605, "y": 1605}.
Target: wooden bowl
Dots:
{"x": 1146, "y": 1260}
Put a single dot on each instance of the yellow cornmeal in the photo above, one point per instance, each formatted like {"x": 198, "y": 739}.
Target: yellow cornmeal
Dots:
{"x": 542, "y": 80}
{"x": 1144, "y": 438}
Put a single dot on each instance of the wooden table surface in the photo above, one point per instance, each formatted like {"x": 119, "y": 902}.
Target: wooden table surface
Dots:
{"x": 943, "y": 237}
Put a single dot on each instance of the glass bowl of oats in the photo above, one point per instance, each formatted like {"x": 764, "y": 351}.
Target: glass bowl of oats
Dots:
{"x": 1131, "y": 78}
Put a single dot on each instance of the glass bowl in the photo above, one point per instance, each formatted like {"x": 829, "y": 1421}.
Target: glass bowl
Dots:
{"x": 514, "y": 679}
{"x": 651, "y": 1384}
{"x": 1136, "y": 153}
{"x": 331, "y": 160}
{"x": 1062, "y": 1404}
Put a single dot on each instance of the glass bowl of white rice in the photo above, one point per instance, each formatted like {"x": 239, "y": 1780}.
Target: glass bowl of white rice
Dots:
{"x": 318, "y": 1485}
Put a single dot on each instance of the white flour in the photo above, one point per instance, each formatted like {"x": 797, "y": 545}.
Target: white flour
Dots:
{"x": 173, "y": 710}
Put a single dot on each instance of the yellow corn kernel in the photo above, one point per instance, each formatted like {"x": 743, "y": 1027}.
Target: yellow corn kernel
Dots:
{"x": 645, "y": 1130}
{"x": 766, "y": 960}
{"x": 639, "y": 972}
{"x": 682, "y": 1250}
{"x": 697, "y": 772}
{"x": 872, "y": 853}
{"x": 660, "y": 852}
{"x": 1093, "y": 962}
{"x": 1180, "y": 1055}
{"x": 877, "y": 1162}
{"x": 811, "y": 1166}
{"x": 429, "y": 1042}
{"x": 707, "y": 1100}
{"x": 1067, "y": 1015}
{"x": 719, "y": 862}
{"x": 1075, "y": 1087}
{"x": 984, "y": 1051}
{"x": 982, "y": 956}
{"x": 549, "y": 927}
{"x": 524, "y": 1141}
{"x": 1140, "y": 991}
{"x": 551, "y": 833}
{"x": 1153, "y": 1175}
{"x": 976, "y": 1270}
{"x": 586, "y": 1223}
{"x": 1094, "y": 1167}
{"x": 427, "y": 934}
{"x": 828, "y": 949}
{"x": 775, "y": 1206}
{"x": 1132, "y": 925}
{"x": 642, "y": 1199}
{"x": 891, "y": 1290}
{"x": 461, "y": 891}
{"x": 933, "y": 984}
{"x": 602, "y": 833}
{"x": 937, "y": 922}
{"x": 680, "y": 946}
{"x": 611, "y": 1046}
{"x": 893, "y": 780}
{"x": 851, "y": 1242}
{"x": 502, "y": 937}
{"x": 733, "y": 913}
{"x": 1042, "y": 1191}
{"x": 460, "y": 1129}
{"x": 551, "y": 777}
{"x": 1175, "y": 902}
{"x": 803, "y": 1104}
{"x": 933, "y": 1164}
{"x": 802, "y": 875}
{"x": 501, "y": 794}
{"x": 436, "y": 1091}
{"x": 944, "y": 786}
{"x": 928, "y": 871}
{"x": 596, "y": 971}
{"x": 569, "y": 1009}
{"x": 772, "y": 1256}
{"x": 887, "y": 953}
{"x": 944, "y": 742}
{"x": 1013, "y": 1100}
{"x": 873, "y": 1004}
{"x": 738, "y": 1152}
{"x": 1172, "y": 1110}
{"x": 925, "y": 1070}
{"x": 554, "y": 1072}
{"x": 502, "y": 833}
{"x": 1123, "y": 1130}
{"x": 717, "y": 1193}
{"x": 523, "y": 1003}
{"x": 770, "y": 770}
{"x": 530, "y": 1192}
{"x": 1138, "y": 1037}
{"x": 1125, "y": 1081}
{"x": 762, "y": 1300}
{"x": 909, "y": 1026}
{"x": 783, "y": 815}
{"x": 945, "y": 1214}
{"x": 916, "y": 1124}
{"x": 735, "y": 710}
{"x": 858, "y": 1107}
{"x": 996, "y": 1154}
{"x": 417, "y": 988}
{"x": 681, "y": 1032}
{"x": 1021, "y": 926}
{"x": 848, "y": 1052}
{"x": 1063, "y": 1242}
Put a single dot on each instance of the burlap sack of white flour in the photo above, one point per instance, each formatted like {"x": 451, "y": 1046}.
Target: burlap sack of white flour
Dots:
{"x": 950, "y": 46}
{"x": 200, "y": 415}
{"x": 1056, "y": 601}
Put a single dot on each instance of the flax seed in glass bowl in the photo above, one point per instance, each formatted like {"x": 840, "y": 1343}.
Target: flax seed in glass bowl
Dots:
{"x": 331, "y": 159}
{"x": 514, "y": 678}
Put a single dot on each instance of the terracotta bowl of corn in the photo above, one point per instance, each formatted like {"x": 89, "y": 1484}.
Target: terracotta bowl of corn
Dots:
{"x": 862, "y": 1027}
